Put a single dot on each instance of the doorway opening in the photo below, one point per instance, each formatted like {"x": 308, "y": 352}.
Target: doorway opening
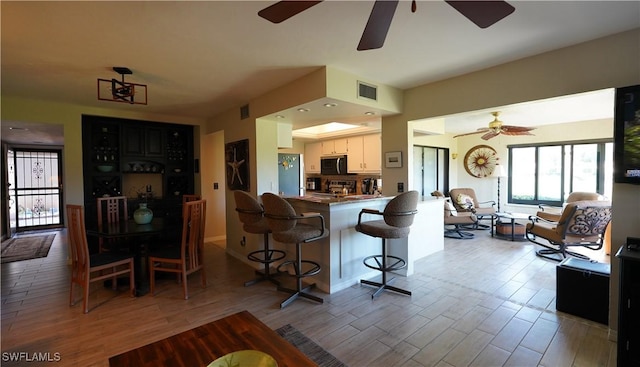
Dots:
{"x": 34, "y": 189}
{"x": 431, "y": 169}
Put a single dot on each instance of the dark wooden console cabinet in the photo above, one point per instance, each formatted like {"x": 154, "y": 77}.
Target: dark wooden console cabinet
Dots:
{"x": 119, "y": 150}
{"x": 629, "y": 308}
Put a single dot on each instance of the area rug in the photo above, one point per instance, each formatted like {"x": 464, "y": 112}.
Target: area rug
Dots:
{"x": 307, "y": 346}
{"x": 25, "y": 248}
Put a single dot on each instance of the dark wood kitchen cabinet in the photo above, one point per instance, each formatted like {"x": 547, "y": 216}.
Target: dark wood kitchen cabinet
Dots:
{"x": 629, "y": 307}
{"x": 143, "y": 141}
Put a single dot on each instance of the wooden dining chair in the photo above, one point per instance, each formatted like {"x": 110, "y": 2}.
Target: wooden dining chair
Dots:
{"x": 189, "y": 257}
{"x": 111, "y": 210}
{"x": 85, "y": 268}
{"x": 189, "y": 197}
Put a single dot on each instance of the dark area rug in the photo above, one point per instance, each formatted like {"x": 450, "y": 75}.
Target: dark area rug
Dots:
{"x": 25, "y": 248}
{"x": 307, "y": 346}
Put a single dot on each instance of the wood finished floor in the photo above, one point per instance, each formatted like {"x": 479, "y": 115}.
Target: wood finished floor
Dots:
{"x": 481, "y": 302}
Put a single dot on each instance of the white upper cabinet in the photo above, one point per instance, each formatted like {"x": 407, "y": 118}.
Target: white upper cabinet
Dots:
{"x": 372, "y": 153}
{"x": 365, "y": 154}
{"x": 355, "y": 154}
{"x": 312, "y": 153}
{"x": 336, "y": 146}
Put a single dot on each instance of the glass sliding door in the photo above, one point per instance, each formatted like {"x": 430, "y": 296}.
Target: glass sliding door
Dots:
{"x": 431, "y": 169}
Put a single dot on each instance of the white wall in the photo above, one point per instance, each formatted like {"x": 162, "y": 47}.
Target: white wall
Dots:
{"x": 213, "y": 171}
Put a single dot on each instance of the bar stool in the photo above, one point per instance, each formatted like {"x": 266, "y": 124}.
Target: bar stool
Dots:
{"x": 251, "y": 215}
{"x": 286, "y": 228}
{"x": 398, "y": 216}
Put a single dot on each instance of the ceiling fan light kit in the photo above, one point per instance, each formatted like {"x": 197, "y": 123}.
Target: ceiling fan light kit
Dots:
{"x": 496, "y": 127}
{"x": 120, "y": 91}
{"x": 482, "y": 13}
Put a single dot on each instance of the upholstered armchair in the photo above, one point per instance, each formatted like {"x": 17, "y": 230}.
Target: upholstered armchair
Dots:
{"x": 553, "y": 214}
{"x": 456, "y": 222}
{"x": 465, "y": 200}
{"x": 582, "y": 223}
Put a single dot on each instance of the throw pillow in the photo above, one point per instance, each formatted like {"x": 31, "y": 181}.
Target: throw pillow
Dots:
{"x": 465, "y": 201}
{"x": 450, "y": 208}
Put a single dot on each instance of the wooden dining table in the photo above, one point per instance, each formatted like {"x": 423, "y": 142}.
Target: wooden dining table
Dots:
{"x": 127, "y": 228}
{"x": 204, "y": 344}
{"x": 140, "y": 235}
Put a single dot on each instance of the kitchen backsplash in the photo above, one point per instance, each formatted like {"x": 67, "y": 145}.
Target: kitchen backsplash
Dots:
{"x": 330, "y": 178}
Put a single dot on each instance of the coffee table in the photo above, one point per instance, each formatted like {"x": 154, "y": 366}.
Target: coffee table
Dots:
{"x": 204, "y": 344}
{"x": 510, "y": 218}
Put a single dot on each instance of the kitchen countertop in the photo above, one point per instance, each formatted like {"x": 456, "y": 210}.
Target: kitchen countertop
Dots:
{"x": 336, "y": 199}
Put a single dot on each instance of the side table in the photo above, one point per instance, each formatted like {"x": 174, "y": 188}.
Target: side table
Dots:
{"x": 507, "y": 227}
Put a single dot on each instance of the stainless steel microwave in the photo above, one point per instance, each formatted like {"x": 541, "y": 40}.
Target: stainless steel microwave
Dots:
{"x": 336, "y": 165}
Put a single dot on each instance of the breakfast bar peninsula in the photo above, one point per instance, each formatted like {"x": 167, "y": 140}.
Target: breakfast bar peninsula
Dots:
{"x": 341, "y": 253}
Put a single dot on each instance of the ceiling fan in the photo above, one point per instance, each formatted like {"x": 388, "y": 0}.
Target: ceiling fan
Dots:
{"x": 496, "y": 128}
{"x": 482, "y": 13}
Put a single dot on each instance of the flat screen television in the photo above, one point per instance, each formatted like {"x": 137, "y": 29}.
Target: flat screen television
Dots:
{"x": 627, "y": 135}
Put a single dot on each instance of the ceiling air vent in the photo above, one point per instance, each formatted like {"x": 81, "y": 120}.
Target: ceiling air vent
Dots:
{"x": 367, "y": 91}
{"x": 244, "y": 112}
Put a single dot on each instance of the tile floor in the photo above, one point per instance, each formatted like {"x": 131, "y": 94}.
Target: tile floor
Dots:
{"x": 481, "y": 302}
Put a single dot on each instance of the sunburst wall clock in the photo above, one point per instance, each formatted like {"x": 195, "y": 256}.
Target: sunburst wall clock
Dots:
{"x": 480, "y": 161}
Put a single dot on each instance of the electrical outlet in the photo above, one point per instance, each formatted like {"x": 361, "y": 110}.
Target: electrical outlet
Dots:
{"x": 400, "y": 186}
{"x": 215, "y": 185}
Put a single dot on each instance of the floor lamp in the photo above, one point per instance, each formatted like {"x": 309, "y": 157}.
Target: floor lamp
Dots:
{"x": 498, "y": 172}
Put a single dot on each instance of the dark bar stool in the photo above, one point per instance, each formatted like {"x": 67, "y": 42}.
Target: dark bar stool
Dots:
{"x": 398, "y": 216}
{"x": 286, "y": 227}
{"x": 251, "y": 215}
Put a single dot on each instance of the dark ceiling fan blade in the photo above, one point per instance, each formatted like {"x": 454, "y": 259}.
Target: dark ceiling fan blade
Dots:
{"x": 516, "y": 130}
{"x": 489, "y": 135}
{"x": 483, "y": 13}
{"x": 480, "y": 131}
{"x": 283, "y": 10}
{"x": 378, "y": 25}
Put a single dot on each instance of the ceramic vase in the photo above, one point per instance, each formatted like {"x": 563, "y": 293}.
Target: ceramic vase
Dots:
{"x": 143, "y": 215}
